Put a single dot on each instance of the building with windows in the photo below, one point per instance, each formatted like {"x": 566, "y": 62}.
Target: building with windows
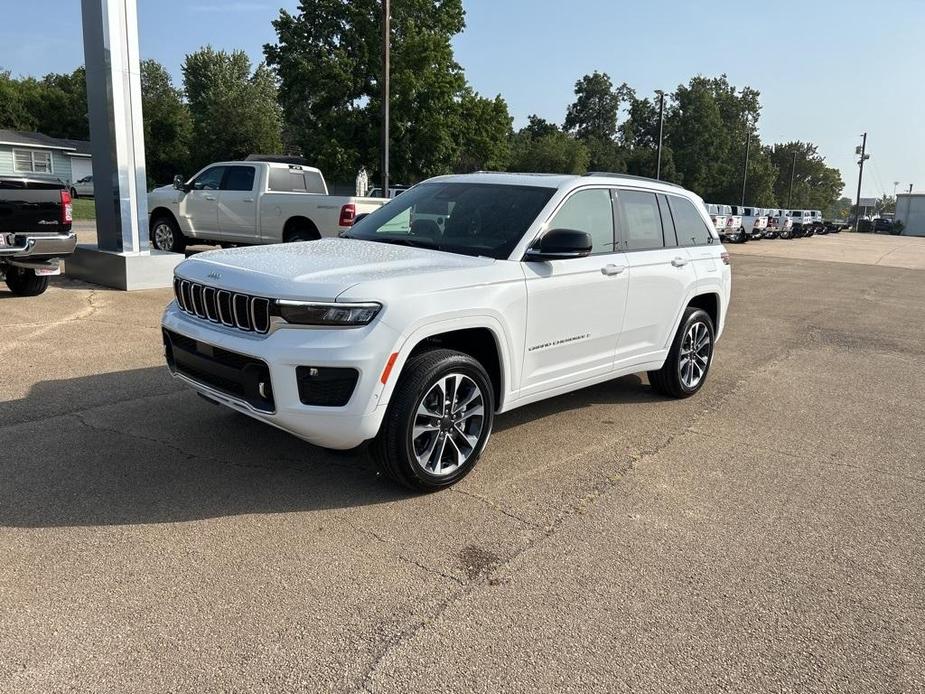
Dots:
{"x": 35, "y": 154}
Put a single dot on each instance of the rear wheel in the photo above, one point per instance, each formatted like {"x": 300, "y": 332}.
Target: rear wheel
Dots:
{"x": 741, "y": 237}
{"x": 689, "y": 358}
{"x": 24, "y": 282}
{"x": 166, "y": 235}
{"x": 438, "y": 421}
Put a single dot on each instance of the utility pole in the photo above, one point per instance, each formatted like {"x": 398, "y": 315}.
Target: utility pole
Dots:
{"x": 386, "y": 45}
{"x": 793, "y": 170}
{"x": 748, "y": 144}
{"x": 862, "y": 150}
{"x": 661, "y": 129}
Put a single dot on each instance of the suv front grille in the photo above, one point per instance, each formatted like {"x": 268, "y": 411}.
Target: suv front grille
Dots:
{"x": 234, "y": 310}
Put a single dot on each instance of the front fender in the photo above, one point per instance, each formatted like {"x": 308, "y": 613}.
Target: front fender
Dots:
{"x": 455, "y": 321}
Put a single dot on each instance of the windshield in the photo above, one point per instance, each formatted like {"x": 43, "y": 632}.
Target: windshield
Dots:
{"x": 469, "y": 218}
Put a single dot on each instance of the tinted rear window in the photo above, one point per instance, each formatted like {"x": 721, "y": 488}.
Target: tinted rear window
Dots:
{"x": 690, "y": 227}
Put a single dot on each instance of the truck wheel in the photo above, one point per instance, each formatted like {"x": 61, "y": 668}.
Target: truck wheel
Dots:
{"x": 689, "y": 358}
{"x": 166, "y": 235}
{"x": 24, "y": 282}
{"x": 785, "y": 234}
{"x": 438, "y": 421}
{"x": 741, "y": 237}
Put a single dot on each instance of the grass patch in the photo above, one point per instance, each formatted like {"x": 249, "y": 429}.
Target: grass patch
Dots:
{"x": 83, "y": 208}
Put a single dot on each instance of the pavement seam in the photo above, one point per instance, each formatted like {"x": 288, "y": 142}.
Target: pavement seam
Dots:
{"x": 579, "y": 506}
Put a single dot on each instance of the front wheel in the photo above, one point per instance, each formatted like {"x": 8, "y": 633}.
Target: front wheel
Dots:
{"x": 438, "y": 421}
{"x": 741, "y": 237}
{"x": 166, "y": 235}
{"x": 24, "y": 282}
{"x": 689, "y": 358}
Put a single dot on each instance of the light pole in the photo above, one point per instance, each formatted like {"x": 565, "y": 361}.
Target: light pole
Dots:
{"x": 862, "y": 151}
{"x": 386, "y": 45}
{"x": 661, "y": 130}
{"x": 793, "y": 169}
{"x": 748, "y": 144}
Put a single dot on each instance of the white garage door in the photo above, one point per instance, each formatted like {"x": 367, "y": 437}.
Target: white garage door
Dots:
{"x": 80, "y": 167}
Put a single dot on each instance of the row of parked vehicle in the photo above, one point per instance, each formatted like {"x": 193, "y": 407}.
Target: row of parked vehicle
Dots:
{"x": 739, "y": 224}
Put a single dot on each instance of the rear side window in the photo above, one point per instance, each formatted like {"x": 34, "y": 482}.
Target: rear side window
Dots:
{"x": 642, "y": 223}
{"x": 691, "y": 229}
{"x": 239, "y": 178}
{"x": 590, "y": 211}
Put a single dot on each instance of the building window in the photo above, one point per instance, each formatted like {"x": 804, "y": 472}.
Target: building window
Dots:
{"x": 32, "y": 161}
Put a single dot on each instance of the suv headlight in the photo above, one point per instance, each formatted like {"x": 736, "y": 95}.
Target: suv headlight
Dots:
{"x": 315, "y": 313}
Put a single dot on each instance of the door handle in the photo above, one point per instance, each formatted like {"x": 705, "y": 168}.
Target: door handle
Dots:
{"x": 209, "y": 197}
{"x": 678, "y": 262}
{"x": 612, "y": 269}
{"x": 248, "y": 199}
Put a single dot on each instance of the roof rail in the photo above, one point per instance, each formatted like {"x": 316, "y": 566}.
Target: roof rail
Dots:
{"x": 632, "y": 176}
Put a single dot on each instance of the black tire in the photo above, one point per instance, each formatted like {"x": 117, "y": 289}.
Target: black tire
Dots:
{"x": 784, "y": 234}
{"x": 302, "y": 230}
{"x": 73, "y": 192}
{"x": 24, "y": 282}
{"x": 394, "y": 448}
{"x": 668, "y": 380}
{"x": 166, "y": 235}
{"x": 741, "y": 237}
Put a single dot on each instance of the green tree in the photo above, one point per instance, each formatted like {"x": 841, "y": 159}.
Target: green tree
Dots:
{"x": 14, "y": 115}
{"x": 484, "y": 134}
{"x": 554, "y": 152}
{"x": 233, "y": 109}
{"x": 840, "y": 209}
{"x": 57, "y": 104}
{"x": 593, "y": 119}
{"x": 167, "y": 124}
{"x": 327, "y": 57}
{"x": 815, "y": 185}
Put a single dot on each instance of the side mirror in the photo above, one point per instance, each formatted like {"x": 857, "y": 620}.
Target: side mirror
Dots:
{"x": 179, "y": 183}
{"x": 561, "y": 244}
{"x": 360, "y": 216}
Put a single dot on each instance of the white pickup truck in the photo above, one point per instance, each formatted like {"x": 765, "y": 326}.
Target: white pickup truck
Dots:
{"x": 250, "y": 202}
{"x": 753, "y": 221}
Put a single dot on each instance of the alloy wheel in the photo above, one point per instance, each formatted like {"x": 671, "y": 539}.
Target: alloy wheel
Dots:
{"x": 696, "y": 349}
{"x": 448, "y": 424}
{"x": 163, "y": 237}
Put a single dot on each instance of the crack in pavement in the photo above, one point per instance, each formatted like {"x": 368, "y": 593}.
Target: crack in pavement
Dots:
{"x": 579, "y": 506}
{"x": 83, "y": 314}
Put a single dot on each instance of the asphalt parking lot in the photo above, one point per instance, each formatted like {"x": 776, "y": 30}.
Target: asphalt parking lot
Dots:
{"x": 765, "y": 535}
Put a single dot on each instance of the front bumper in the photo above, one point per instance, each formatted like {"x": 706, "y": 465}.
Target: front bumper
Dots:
{"x": 282, "y": 351}
{"x": 38, "y": 246}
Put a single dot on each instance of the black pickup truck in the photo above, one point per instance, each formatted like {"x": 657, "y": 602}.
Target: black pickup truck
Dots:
{"x": 35, "y": 232}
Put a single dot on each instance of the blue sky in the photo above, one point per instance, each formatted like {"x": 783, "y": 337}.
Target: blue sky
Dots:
{"x": 826, "y": 71}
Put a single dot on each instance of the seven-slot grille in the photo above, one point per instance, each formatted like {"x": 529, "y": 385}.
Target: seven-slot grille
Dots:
{"x": 241, "y": 311}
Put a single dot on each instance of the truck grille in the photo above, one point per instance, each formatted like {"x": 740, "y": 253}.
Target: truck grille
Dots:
{"x": 241, "y": 311}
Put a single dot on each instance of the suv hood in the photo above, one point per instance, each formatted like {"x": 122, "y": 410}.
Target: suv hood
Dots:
{"x": 320, "y": 270}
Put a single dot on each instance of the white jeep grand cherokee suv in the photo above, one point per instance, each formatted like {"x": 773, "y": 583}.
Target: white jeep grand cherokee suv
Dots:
{"x": 464, "y": 297}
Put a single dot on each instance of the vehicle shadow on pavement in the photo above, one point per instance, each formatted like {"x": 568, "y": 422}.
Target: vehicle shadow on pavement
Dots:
{"x": 135, "y": 447}
{"x": 627, "y": 390}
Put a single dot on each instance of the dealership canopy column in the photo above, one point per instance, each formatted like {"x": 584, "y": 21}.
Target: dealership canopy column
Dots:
{"x": 123, "y": 258}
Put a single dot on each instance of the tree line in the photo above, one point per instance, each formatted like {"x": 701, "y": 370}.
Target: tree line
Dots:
{"x": 318, "y": 94}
